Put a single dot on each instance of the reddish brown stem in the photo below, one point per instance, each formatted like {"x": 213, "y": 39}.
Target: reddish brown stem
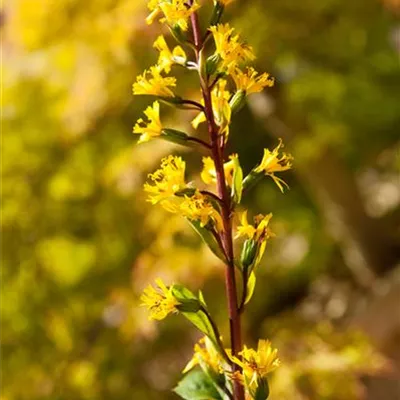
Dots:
{"x": 226, "y": 235}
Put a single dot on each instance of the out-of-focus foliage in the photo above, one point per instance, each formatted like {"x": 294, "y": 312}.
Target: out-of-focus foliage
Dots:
{"x": 80, "y": 242}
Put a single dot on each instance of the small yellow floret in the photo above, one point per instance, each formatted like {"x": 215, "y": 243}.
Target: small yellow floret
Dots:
{"x": 257, "y": 364}
{"x": 250, "y": 81}
{"x": 167, "y": 58}
{"x": 152, "y": 83}
{"x": 199, "y": 208}
{"x": 229, "y": 47}
{"x": 160, "y": 301}
{"x": 167, "y": 180}
{"x": 176, "y": 12}
{"x": 209, "y": 175}
{"x": 153, "y": 127}
{"x": 205, "y": 354}
{"x": 272, "y": 163}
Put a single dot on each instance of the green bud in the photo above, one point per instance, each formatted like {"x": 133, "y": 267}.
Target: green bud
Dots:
{"x": 249, "y": 253}
{"x": 212, "y": 64}
{"x": 262, "y": 391}
{"x": 237, "y": 101}
{"x": 252, "y": 179}
{"x": 186, "y": 192}
{"x": 174, "y": 136}
{"x": 237, "y": 181}
{"x": 178, "y": 34}
{"x": 217, "y": 13}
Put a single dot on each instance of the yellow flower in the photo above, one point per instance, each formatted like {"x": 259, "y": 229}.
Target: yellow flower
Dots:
{"x": 206, "y": 355}
{"x": 221, "y": 109}
{"x": 229, "y": 47}
{"x": 260, "y": 232}
{"x": 167, "y": 180}
{"x": 208, "y": 174}
{"x": 166, "y": 58}
{"x": 151, "y": 82}
{"x": 153, "y": 127}
{"x": 159, "y": 301}
{"x": 176, "y": 12}
{"x": 249, "y": 82}
{"x": 272, "y": 163}
{"x": 199, "y": 208}
{"x": 257, "y": 364}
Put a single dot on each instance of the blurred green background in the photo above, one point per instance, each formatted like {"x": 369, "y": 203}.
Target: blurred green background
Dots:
{"x": 80, "y": 242}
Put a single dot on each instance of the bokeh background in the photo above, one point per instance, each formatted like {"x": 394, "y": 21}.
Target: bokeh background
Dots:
{"x": 80, "y": 242}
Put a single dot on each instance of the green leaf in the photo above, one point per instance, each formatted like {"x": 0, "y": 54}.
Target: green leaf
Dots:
{"x": 237, "y": 181}
{"x": 251, "y": 284}
{"x": 190, "y": 309}
{"x": 209, "y": 239}
{"x": 196, "y": 385}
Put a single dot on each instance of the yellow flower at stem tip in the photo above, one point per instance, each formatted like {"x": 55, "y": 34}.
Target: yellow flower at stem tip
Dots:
{"x": 153, "y": 127}
{"x": 176, "y": 12}
{"x": 166, "y": 57}
{"x": 160, "y": 301}
{"x": 257, "y": 364}
{"x": 250, "y": 81}
{"x": 221, "y": 109}
{"x": 152, "y": 83}
{"x": 273, "y": 162}
{"x": 207, "y": 356}
{"x": 229, "y": 47}
{"x": 209, "y": 175}
{"x": 167, "y": 180}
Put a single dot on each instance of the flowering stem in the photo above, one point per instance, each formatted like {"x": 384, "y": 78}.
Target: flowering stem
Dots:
{"x": 226, "y": 235}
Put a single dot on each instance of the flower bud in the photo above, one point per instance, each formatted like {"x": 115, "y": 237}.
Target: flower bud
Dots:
{"x": 238, "y": 101}
{"x": 249, "y": 253}
{"x": 212, "y": 64}
{"x": 178, "y": 34}
{"x": 174, "y": 136}
{"x": 217, "y": 13}
{"x": 262, "y": 391}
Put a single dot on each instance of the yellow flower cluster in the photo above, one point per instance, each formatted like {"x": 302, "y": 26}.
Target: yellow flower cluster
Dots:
{"x": 250, "y": 81}
{"x": 207, "y": 356}
{"x": 258, "y": 363}
{"x": 151, "y": 82}
{"x": 273, "y": 162}
{"x": 168, "y": 181}
{"x": 176, "y": 12}
{"x": 229, "y": 47}
{"x": 159, "y": 301}
{"x": 209, "y": 175}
